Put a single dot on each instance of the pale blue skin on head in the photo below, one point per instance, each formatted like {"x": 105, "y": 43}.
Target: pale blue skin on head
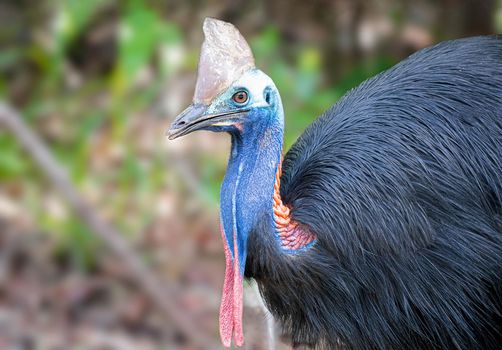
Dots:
{"x": 248, "y": 187}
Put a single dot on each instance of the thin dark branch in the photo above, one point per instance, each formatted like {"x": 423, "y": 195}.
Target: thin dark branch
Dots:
{"x": 159, "y": 294}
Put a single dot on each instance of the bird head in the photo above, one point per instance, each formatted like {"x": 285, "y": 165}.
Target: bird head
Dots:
{"x": 230, "y": 92}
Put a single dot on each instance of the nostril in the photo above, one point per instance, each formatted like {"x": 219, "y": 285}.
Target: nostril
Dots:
{"x": 181, "y": 122}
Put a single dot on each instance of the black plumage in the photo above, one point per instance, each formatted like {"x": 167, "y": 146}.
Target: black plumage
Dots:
{"x": 401, "y": 181}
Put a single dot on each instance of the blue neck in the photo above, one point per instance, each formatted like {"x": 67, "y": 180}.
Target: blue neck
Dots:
{"x": 248, "y": 187}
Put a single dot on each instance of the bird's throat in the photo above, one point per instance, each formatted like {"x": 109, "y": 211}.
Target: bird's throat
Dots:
{"x": 250, "y": 198}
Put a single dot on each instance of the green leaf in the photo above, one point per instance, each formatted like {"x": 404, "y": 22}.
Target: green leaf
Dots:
{"x": 498, "y": 18}
{"x": 74, "y": 16}
{"x": 264, "y": 46}
{"x": 12, "y": 161}
{"x": 142, "y": 30}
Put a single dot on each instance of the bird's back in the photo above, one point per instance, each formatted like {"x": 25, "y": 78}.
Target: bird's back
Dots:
{"x": 426, "y": 133}
{"x": 401, "y": 181}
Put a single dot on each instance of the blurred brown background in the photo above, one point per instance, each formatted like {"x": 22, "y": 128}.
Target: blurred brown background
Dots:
{"x": 99, "y": 81}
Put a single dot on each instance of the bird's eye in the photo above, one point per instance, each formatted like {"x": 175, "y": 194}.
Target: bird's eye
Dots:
{"x": 240, "y": 97}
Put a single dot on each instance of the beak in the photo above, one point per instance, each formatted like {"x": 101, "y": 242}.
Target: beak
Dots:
{"x": 195, "y": 118}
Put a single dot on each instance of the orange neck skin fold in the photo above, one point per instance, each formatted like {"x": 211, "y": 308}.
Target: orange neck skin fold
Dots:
{"x": 292, "y": 235}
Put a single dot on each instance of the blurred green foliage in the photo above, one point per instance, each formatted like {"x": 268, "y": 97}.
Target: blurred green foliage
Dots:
{"x": 498, "y": 18}
{"x": 97, "y": 115}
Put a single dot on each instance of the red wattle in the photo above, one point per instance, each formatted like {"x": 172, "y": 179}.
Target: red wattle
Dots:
{"x": 231, "y": 299}
{"x": 238, "y": 298}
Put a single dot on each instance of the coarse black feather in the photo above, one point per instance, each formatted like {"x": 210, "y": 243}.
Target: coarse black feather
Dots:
{"x": 401, "y": 181}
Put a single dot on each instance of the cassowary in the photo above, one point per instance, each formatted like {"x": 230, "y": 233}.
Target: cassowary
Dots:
{"x": 382, "y": 226}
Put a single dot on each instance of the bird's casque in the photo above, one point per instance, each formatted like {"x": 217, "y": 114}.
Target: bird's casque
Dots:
{"x": 224, "y": 57}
